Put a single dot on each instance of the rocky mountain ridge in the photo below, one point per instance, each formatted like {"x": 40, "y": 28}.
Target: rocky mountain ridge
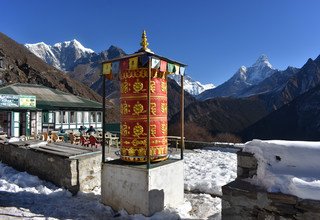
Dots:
{"x": 19, "y": 65}
{"x": 62, "y": 55}
{"x": 243, "y": 79}
{"x": 297, "y": 120}
{"x": 83, "y": 63}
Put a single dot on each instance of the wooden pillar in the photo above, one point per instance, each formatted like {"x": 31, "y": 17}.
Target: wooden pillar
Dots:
{"x": 103, "y": 117}
{"x": 182, "y": 117}
{"x": 148, "y": 116}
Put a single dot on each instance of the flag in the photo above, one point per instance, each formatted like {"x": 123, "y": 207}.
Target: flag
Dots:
{"x": 176, "y": 69}
{"x": 155, "y": 63}
{"x": 115, "y": 67}
{"x": 182, "y": 70}
{"x": 124, "y": 65}
{"x": 170, "y": 67}
{"x": 144, "y": 60}
{"x": 163, "y": 66}
{"x": 106, "y": 68}
{"x": 133, "y": 63}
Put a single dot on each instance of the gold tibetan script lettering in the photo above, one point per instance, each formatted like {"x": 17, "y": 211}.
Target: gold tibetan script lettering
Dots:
{"x": 153, "y": 86}
{"x": 163, "y": 86}
{"x": 138, "y": 108}
{"x": 153, "y": 108}
{"x": 164, "y": 107}
{"x": 142, "y": 151}
{"x": 132, "y": 152}
{"x": 124, "y": 129}
{"x": 139, "y": 73}
{"x": 125, "y": 87}
{"x": 138, "y": 130}
{"x": 137, "y": 142}
{"x": 164, "y": 129}
{"x": 153, "y": 130}
{"x": 124, "y": 108}
{"x": 138, "y": 86}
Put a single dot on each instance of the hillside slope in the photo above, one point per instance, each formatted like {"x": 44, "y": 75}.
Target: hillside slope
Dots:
{"x": 19, "y": 65}
{"x": 204, "y": 120}
{"x": 297, "y": 120}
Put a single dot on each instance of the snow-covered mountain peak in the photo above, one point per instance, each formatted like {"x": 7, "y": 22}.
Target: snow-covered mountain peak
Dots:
{"x": 63, "y": 55}
{"x": 254, "y": 74}
{"x": 262, "y": 61}
{"x": 242, "y": 79}
{"x": 243, "y": 69}
{"x": 73, "y": 43}
{"x": 192, "y": 86}
{"x": 242, "y": 73}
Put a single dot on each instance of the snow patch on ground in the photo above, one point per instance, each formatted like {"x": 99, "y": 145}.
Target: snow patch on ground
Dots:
{"x": 290, "y": 167}
{"x": 25, "y": 196}
{"x": 207, "y": 170}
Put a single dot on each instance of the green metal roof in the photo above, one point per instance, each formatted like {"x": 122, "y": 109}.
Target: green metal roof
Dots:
{"x": 51, "y": 99}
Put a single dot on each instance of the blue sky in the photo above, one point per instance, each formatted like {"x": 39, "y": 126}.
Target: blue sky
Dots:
{"x": 213, "y": 37}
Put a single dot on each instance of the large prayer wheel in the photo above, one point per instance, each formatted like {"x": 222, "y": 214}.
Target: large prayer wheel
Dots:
{"x": 134, "y": 113}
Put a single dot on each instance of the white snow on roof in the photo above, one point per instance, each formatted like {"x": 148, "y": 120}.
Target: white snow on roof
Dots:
{"x": 290, "y": 167}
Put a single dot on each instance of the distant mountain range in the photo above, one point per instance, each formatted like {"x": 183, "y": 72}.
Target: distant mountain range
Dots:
{"x": 63, "y": 55}
{"x": 19, "y": 65}
{"x": 297, "y": 120}
{"x": 87, "y": 69}
{"x": 242, "y": 80}
{"x": 260, "y": 90}
{"x": 191, "y": 86}
{"x": 83, "y": 63}
{"x": 257, "y": 102}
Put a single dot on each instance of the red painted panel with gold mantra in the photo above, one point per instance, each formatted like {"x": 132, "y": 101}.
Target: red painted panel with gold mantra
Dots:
{"x": 133, "y": 111}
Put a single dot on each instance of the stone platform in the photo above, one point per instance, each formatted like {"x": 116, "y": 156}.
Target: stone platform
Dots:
{"x": 243, "y": 201}
{"x": 71, "y": 166}
{"x": 137, "y": 189}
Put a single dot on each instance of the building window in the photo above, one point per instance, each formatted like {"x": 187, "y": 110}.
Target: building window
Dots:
{"x": 50, "y": 117}
{"x": 45, "y": 117}
{"x": 86, "y": 117}
{"x": 79, "y": 117}
{"x": 72, "y": 117}
{"x": 92, "y": 117}
{"x": 99, "y": 116}
{"x": 58, "y": 118}
{"x": 16, "y": 124}
{"x": 65, "y": 117}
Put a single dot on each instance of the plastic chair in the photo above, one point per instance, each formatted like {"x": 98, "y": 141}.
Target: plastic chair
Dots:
{"x": 84, "y": 142}
{"x": 93, "y": 141}
{"x": 46, "y": 137}
{"x": 73, "y": 139}
{"x": 56, "y": 138}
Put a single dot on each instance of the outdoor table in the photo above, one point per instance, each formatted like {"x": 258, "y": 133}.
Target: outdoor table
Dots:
{"x": 176, "y": 139}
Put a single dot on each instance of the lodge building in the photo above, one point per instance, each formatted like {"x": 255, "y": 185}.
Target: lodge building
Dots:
{"x": 30, "y": 109}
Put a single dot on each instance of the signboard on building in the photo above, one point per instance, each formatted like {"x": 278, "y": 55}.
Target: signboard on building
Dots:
{"x": 9, "y": 101}
{"x": 27, "y": 101}
{"x": 17, "y": 101}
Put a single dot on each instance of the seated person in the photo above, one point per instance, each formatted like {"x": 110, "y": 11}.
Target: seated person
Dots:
{"x": 63, "y": 133}
{"x": 91, "y": 130}
{"x": 82, "y": 129}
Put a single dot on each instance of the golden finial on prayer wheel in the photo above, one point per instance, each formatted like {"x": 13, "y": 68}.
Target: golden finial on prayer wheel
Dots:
{"x": 144, "y": 42}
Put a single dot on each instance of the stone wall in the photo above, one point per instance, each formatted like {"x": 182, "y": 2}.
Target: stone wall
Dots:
{"x": 242, "y": 200}
{"x": 78, "y": 173}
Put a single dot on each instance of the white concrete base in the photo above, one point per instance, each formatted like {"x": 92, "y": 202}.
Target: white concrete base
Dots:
{"x": 138, "y": 190}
